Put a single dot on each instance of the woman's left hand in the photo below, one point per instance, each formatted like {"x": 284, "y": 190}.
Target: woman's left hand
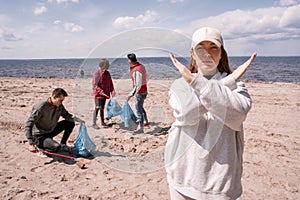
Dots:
{"x": 183, "y": 70}
{"x": 240, "y": 71}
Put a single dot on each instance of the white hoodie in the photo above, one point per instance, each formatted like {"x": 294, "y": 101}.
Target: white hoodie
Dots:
{"x": 204, "y": 151}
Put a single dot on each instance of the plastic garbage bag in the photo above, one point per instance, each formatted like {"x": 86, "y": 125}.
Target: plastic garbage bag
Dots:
{"x": 128, "y": 115}
{"x": 113, "y": 108}
{"x": 83, "y": 144}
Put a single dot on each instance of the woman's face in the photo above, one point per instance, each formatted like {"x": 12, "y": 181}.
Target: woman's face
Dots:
{"x": 207, "y": 56}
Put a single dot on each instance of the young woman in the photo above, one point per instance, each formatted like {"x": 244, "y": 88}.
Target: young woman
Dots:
{"x": 204, "y": 151}
{"x": 103, "y": 87}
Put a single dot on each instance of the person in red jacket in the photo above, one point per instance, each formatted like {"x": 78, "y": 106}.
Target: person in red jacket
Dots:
{"x": 138, "y": 76}
{"x": 103, "y": 87}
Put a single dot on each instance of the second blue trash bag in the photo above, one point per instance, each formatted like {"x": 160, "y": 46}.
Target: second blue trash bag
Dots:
{"x": 83, "y": 144}
{"x": 127, "y": 115}
{"x": 113, "y": 108}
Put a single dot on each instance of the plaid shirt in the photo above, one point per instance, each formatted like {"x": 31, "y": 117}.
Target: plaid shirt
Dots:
{"x": 102, "y": 83}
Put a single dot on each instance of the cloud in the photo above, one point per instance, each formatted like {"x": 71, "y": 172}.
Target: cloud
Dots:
{"x": 133, "y": 22}
{"x": 35, "y": 28}
{"x": 8, "y": 36}
{"x": 69, "y": 26}
{"x": 40, "y": 10}
{"x": 63, "y": 1}
{"x": 286, "y": 2}
{"x": 11, "y": 37}
{"x": 291, "y": 17}
{"x": 6, "y": 48}
{"x": 177, "y": 1}
{"x": 73, "y": 27}
{"x": 274, "y": 23}
{"x": 56, "y": 22}
{"x": 4, "y": 19}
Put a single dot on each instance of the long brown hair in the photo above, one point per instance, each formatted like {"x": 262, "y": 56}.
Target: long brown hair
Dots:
{"x": 223, "y": 65}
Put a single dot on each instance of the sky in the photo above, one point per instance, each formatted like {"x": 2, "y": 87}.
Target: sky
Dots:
{"x": 85, "y": 28}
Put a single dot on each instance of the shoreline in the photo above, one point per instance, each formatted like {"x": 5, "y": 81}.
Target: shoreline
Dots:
{"x": 52, "y": 78}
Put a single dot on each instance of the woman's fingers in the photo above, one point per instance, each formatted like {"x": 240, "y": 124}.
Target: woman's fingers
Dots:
{"x": 172, "y": 57}
{"x": 176, "y": 63}
{"x": 251, "y": 59}
{"x": 240, "y": 71}
{"x": 183, "y": 70}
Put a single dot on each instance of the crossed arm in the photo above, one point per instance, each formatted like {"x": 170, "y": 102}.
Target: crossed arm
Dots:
{"x": 187, "y": 75}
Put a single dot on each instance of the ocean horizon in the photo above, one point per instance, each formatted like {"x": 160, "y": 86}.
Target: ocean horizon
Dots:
{"x": 264, "y": 68}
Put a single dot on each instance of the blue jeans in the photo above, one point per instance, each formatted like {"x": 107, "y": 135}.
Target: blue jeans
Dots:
{"x": 140, "y": 111}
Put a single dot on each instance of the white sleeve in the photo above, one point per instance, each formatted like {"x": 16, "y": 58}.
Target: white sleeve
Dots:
{"x": 229, "y": 82}
{"x": 184, "y": 103}
{"x": 231, "y": 106}
{"x": 137, "y": 82}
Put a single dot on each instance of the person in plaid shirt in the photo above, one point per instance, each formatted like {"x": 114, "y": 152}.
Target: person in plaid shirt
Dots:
{"x": 103, "y": 88}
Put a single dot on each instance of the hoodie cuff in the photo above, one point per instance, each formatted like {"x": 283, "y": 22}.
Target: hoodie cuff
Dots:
{"x": 199, "y": 83}
{"x": 229, "y": 82}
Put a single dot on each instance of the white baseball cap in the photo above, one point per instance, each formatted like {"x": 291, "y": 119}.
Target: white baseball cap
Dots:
{"x": 207, "y": 34}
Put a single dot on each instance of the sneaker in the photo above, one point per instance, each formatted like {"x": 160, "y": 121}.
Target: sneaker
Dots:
{"x": 41, "y": 155}
{"x": 145, "y": 124}
{"x": 64, "y": 147}
{"x": 138, "y": 131}
{"x": 95, "y": 126}
{"x": 103, "y": 125}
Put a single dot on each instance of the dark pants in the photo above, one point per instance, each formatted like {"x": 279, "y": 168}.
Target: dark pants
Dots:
{"x": 46, "y": 141}
{"x": 99, "y": 105}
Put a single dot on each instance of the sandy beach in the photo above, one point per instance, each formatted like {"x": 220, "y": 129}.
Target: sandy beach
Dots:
{"x": 127, "y": 166}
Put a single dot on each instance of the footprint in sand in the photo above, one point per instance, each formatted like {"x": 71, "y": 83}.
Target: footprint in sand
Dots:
{"x": 36, "y": 169}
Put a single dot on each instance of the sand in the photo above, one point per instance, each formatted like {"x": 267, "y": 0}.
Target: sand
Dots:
{"x": 127, "y": 166}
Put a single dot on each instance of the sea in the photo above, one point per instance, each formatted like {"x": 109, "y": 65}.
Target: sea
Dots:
{"x": 269, "y": 69}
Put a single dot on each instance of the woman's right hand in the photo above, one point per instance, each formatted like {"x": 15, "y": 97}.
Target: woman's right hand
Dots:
{"x": 183, "y": 70}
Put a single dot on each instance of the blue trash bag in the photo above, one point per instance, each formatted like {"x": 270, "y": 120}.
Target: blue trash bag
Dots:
{"x": 128, "y": 115}
{"x": 113, "y": 108}
{"x": 83, "y": 144}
